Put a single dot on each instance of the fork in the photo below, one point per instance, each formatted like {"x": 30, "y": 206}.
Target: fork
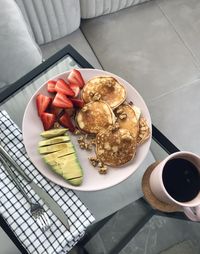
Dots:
{"x": 37, "y": 211}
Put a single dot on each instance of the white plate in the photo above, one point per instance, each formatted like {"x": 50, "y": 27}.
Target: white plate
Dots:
{"x": 32, "y": 127}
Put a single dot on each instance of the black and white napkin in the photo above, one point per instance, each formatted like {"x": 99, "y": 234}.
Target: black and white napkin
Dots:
{"x": 16, "y": 211}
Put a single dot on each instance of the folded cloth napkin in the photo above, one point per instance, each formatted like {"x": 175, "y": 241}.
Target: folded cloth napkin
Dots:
{"x": 16, "y": 211}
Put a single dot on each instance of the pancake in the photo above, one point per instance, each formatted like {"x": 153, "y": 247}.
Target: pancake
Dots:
{"x": 131, "y": 120}
{"x": 94, "y": 116}
{"x": 108, "y": 88}
{"x": 115, "y": 147}
{"x": 144, "y": 131}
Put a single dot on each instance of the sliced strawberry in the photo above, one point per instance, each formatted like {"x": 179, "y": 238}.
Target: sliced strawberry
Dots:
{"x": 75, "y": 88}
{"x": 48, "y": 120}
{"x": 66, "y": 122}
{"x": 63, "y": 87}
{"x": 51, "y": 86}
{"x": 56, "y": 111}
{"x": 75, "y": 77}
{"x": 78, "y": 103}
{"x": 61, "y": 101}
{"x": 70, "y": 111}
{"x": 42, "y": 103}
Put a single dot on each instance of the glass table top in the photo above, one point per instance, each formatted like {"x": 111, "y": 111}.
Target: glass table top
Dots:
{"x": 14, "y": 100}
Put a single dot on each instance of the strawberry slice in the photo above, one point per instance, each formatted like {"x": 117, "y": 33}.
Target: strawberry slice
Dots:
{"x": 42, "y": 103}
{"x": 75, "y": 77}
{"x": 61, "y": 101}
{"x": 63, "y": 87}
{"x": 66, "y": 122}
{"x": 70, "y": 111}
{"x": 75, "y": 88}
{"x": 56, "y": 111}
{"x": 51, "y": 86}
{"x": 48, "y": 120}
{"x": 78, "y": 103}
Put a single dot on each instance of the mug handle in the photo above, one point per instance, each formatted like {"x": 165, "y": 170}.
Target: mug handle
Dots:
{"x": 193, "y": 213}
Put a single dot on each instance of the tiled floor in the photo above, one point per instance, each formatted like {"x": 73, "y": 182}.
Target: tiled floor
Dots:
{"x": 159, "y": 234}
{"x": 125, "y": 220}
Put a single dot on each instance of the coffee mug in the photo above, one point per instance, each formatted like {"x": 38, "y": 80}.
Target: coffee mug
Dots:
{"x": 176, "y": 180}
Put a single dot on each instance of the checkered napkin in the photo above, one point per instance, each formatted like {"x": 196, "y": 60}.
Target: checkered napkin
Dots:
{"x": 15, "y": 209}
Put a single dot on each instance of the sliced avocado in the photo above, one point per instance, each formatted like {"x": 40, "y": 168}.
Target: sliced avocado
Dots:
{"x": 57, "y": 169}
{"x": 54, "y": 148}
{"x": 53, "y": 141}
{"x": 63, "y": 159}
{"x": 49, "y": 158}
{"x": 53, "y": 133}
{"x": 76, "y": 181}
{"x": 72, "y": 169}
{"x": 69, "y": 171}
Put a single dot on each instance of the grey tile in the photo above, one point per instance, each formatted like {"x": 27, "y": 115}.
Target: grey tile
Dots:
{"x": 141, "y": 45}
{"x": 161, "y": 233}
{"x": 185, "y": 17}
{"x": 122, "y": 223}
{"x": 177, "y": 115}
{"x": 185, "y": 247}
{"x": 96, "y": 246}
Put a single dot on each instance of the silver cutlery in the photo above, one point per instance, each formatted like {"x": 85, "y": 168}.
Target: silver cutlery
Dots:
{"x": 48, "y": 200}
{"x": 37, "y": 211}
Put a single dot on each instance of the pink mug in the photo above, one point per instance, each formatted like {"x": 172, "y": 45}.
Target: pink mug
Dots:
{"x": 191, "y": 208}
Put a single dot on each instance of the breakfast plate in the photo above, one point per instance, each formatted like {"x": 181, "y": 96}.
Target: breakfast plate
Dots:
{"x": 92, "y": 181}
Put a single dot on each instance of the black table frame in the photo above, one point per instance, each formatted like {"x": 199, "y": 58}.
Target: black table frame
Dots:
{"x": 164, "y": 142}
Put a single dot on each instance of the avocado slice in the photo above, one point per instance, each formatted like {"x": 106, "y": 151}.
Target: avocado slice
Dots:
{"x": 49, "y": 158}
{"x": 76, "y": 181}
{"x": 54, "y": 148}
{"x": 57, "y": 169}
{"x": 70, "y": 170}
{"x": 61, "y": 160}
{"x": 53, "y": 133}
{"x": 53, "y": 141}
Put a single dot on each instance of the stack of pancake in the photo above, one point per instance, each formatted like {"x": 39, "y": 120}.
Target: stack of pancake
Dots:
{"x": 117, "y": 125}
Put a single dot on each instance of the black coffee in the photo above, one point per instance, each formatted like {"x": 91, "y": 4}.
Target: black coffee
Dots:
{"x": 181, "y": 179}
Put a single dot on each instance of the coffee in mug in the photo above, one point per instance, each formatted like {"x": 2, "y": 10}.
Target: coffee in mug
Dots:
{"x": 176, "y": 180}
{"x": 181, "y": 179}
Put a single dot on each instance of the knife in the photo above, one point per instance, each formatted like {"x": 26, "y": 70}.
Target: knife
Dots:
{"x": 53, "y": 206}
